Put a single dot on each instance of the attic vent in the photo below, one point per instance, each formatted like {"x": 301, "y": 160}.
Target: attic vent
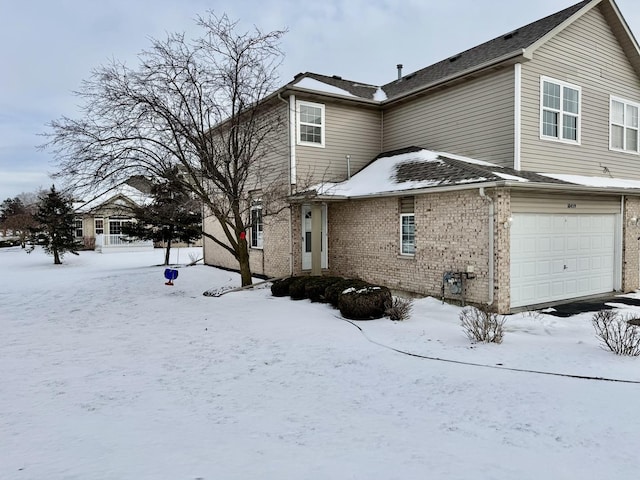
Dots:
{"x": 510, "y": 35}
{"x": 337, "y": 77}
{"x": 454, "y": 58}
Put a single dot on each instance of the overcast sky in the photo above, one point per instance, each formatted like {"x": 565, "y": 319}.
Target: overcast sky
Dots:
{"x": 47, "y": 47}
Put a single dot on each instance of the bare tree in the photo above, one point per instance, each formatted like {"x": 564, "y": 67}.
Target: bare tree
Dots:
{"x": 200, "y": 105}
{"x": 17, "y": 216}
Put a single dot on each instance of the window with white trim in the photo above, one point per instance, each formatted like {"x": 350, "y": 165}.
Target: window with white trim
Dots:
{"x": 115, "y": 225}
{"x": 99, "y": 226}
{"x": 310, "y": 123}
{"x": 623, "y": 133}
{"x": 257, "y": 226}
{"x": 78, "y": 228}
{"x": 559, "y": 110}
{"x": 407, "y": 226}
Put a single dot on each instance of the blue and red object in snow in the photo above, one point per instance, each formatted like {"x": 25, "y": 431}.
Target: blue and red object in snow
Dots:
{"x": 170, "y": 274}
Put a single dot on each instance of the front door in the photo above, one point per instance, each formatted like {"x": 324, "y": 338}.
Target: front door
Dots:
{"x": 307, "y": 235}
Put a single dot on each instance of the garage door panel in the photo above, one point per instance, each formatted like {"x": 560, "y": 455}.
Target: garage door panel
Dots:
{"x": 556, "y": 256}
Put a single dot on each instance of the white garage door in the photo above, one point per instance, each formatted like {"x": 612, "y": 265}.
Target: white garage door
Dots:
{"x": 556, "y": 257}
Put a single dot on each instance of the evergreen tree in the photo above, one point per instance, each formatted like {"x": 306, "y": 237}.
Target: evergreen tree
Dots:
{"x": 172, "y": 216}
{"x": 55, "y": 222}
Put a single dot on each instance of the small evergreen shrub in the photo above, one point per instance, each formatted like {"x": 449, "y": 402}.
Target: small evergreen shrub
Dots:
{"x": 618, "y": 334}
{"x": 280, "y": 288}
{"x": 482, "y": 325}
{"x": 399, "y": 308}
{"x": 315, "y": 289}
{"x": 297, "y": 288}
{"x": 364, "y": 303}
{"x": 333, "y": 291}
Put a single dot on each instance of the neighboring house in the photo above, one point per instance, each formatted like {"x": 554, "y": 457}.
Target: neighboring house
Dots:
{"x": 98, "y": 223}
{"x": 536, "y": 201}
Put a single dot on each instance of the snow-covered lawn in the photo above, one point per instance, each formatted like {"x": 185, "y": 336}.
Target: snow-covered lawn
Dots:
{"x": 106, "y": 373}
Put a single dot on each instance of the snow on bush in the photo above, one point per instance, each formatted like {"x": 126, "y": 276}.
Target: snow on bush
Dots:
{"x": 616, "y": 333}
{"x": 482, "y": 325}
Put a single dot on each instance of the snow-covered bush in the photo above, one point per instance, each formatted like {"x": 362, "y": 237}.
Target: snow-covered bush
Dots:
{"x": 399, "y": 308}
{"x": 482, "y": 325}
{"x": 332, "y": 292}
{"x": 365, "y": 303}
{"x": 616, "y": 333}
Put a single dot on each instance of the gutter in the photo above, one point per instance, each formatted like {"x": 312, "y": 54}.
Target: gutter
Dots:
{"x": 292, "y": 157}
{"x": 573, "y": 188}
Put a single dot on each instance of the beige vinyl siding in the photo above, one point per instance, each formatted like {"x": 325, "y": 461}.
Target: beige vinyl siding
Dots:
{"x": 475, "y": 118}
{"x": 586, "y": 54}
{"x": 539, "y": 202}
{"x": 272, "y": 165}
{"x": 350, "y": 130}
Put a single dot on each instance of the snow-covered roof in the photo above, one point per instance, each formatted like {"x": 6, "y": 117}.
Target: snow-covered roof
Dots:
{"x": 600, "y": 182}
{"x": 417, "y": 168}
{"x": 125, "y": 190}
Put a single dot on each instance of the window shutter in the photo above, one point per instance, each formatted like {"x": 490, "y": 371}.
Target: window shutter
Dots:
{"x": 407, "y": 205}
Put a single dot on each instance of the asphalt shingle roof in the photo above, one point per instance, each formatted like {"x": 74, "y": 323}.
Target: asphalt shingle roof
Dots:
{"x": 511, "y": 42}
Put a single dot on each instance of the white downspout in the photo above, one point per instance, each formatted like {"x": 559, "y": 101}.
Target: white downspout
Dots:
{"x": 292, "y": 167}
{"x": 491, "y": 244}
{"x": 619, "y": 280}
{"x": 517, "y": 120}
{"x": 292, "y": 139}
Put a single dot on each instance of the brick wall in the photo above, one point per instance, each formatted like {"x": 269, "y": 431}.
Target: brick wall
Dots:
{"x": 451, "y": 234}
{"x": 631, "y": 242}
{"x": 272, "y": 260}
{"x": 502, "y": 249}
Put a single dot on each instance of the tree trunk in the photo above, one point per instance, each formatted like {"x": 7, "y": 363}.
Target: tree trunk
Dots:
{"x": 167, "y": 251}
{"x": 56, "y": 257}
{"x": 243, "y": 260}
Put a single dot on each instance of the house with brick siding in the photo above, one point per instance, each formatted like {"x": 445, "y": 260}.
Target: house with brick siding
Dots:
{"x": 505, "y": 175}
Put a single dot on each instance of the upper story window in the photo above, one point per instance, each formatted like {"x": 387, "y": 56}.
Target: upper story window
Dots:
{"x": 559, "y": 111}
{"x": 624, "y": 125}
{"x": 407, "y": 226}
{"x": 310, "y": 124}
{"x": 257, "y": 226}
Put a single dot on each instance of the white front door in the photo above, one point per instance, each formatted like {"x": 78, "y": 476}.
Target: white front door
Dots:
{"x": 306, "y": 237}
{"x": 557, "y": 257}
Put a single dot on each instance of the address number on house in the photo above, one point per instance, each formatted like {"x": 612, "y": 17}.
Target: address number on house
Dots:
{"x": 572, "y": 205}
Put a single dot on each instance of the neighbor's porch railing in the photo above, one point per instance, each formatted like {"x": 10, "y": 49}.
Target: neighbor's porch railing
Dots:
{"x": 120, "y": 241}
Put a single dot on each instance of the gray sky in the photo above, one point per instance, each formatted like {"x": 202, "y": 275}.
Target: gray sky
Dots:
{"x": 47, "y": 47}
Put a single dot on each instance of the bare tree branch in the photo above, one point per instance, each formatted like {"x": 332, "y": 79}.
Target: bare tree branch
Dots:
{"x": 199, "y": 105}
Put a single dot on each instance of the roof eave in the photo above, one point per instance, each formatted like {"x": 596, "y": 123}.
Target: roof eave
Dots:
{"x": 348, "y": 98}
{"x": 529, "y": 51}
{"x": 504, "y": 59}
{"x": 514, "y": 184}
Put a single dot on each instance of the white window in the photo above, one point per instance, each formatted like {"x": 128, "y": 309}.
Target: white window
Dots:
{"x": 624, "y": 125}
{"x": 256, "y": 224}
{"x": 99, "y": 226}
{"x": 559, "y": 111}
{"x": 310, "y": 124}
{"x": 78, "y": 228}
{"x": 407, "y": 226}
{"x": 115, "y": 225}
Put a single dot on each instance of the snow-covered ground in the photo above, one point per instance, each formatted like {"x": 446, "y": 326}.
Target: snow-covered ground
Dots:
{"x": 107, "y": 373}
